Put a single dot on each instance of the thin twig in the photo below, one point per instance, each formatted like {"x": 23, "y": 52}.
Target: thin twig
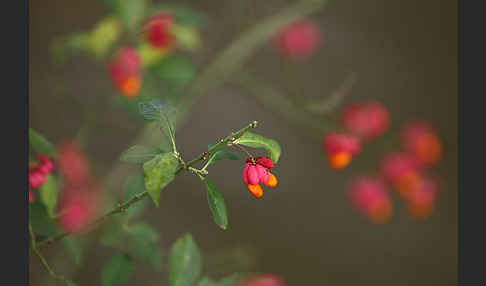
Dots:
{"x": 121, "y": 207}
{"x": 41, "y": 257}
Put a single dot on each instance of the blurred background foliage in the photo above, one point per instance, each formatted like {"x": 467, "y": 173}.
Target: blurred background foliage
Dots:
{"x": 403, "y": 53}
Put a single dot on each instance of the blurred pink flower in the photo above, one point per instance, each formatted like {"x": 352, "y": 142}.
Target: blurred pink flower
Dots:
{"x": 367, "y": 120}
{"x": 340, "y": 148}
{"x": 298, "y": 40}
{"x": 421, "y": 140}
{"x": 263, "y": 280}
{"x": 370, "y": 196}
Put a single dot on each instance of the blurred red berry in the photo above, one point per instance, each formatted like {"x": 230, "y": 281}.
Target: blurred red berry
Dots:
{"x": 79, "y": 207}
{"x": 158, "y": 31}
{"x": 401, "y": 170}
{"x": 421, "y": 200}
{"x": 371, "y": 198}
{"x": 73, "y": 165}
{"x": 36, "y": 176}
{"x": 367, "y": 120}
{"x": 340, "y": 148}
{"x": 31, "y": 197}
{"x": 298, "y": 41}
{"x": 263, "y": 280}
{"x": 124, "y": 70}
{"x": 45, "y": 164}
{"x": 421, "y": 140}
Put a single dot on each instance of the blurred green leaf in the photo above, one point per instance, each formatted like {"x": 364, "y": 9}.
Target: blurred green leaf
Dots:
{"x": 165, "y": 114}
{"x": 48, "y": 194}
{"x": 187, "y": 37}
{"x": 158, "y": 173}
{"x": 64, "y": 46}
{"x": 71, "y": 283}
{"x": 74, "y": 248}
{"x": 40, "y": 144}
{"x": 113, "y": 234}
{"x": 185, "y": 262}
{"x": 104, "y": 35}
{"x": 39, "y": 218}
{"x": 144, "y": 240}
{"x": 205, "y": 281}
{"x": 257, "y": 141}
{"x": 222, "y": 154}
{"x": 138, "y": 154}
{"x": 134, "y": 185}
{"x": 184, "y": 15}
{"x": 216, "y": 204}
{"x": 131, "y": 12}
{"x": 230, "y": 280}
{"x": 117, "y": 270}
{"x": 175, "y": 68}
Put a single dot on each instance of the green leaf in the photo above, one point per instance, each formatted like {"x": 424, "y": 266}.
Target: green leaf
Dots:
{"x": 158, "y": 173}
{"x": 48, "y": 194}
{"x": 165, "y": 114}
{"x": 138, "y": 154}
{"x": 185, "y": 262}
{"x": 113, "y": 234}
{"x": 104, "y": 35}
{"x": 144, "y": 239}
{"x": 175, "y": 68}
{"x": 184, "y": 15}
{"x": 74, "y": 248}
{"x": 222, "y": 154}
{"x": 71, "y": 283}
{"x": 117, "y": 270}
{"x": 40, "y": 144}
{"x": 133, "y": 186}
{"x": 216, "y": 204}
{"x": 205, "y": 281}
{"x": 131, "y": 12}
{"x": 230, "y": 280}
{"x": 257, "y": 141}
{"x": 39, "y": 218}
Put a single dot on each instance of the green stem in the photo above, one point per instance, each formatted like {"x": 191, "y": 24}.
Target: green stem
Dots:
{"x": 220, "y": 144}
{"x": 41, "y": 257}
{"x": 121, "y": 207}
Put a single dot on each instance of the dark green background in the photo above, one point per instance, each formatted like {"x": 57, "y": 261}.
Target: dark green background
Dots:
{"x": 404, "y": 53}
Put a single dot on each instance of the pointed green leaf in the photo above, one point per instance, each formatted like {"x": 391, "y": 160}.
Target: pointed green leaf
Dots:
{"x": 216, "y": 204}
{"x": 48, "y": 194}
{"x": 257, "y": 141}
{"x": 134, "y": 185}
{"x": 185, "y": 262}
{"x": 40, "y": 144}
{"x": 158, "y": 173}
{"x": 138, "y": 154}
{"x": 205, "y": 281}
{"x": 175, "y": 68}
{"x": 74, "y": 248}
{"x": 144, "y": 240}
{"x": 71, "y": 283}
{"x": 117, "y": 270}
{"x": 131, "y": 11}
{"x": 222, "y": 154}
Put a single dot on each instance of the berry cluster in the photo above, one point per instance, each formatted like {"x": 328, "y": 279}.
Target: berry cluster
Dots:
{"x": 256, "y": 172}
{"x": 38, "y": 172}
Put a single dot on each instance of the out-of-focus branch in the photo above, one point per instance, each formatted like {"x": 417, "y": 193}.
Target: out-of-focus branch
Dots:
{"x": 41, "y": 257}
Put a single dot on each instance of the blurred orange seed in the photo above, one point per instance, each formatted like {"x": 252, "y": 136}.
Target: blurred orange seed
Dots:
{"x": 130, "y": 86}
{"x": 339, "y": 160}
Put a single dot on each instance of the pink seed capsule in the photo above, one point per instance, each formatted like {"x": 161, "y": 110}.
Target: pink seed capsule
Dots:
{"x": 265, "y": 162}
{"x": 245, "y": 173}
{"x": 262, "y": 173}
{"x": 252, "y": 174}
